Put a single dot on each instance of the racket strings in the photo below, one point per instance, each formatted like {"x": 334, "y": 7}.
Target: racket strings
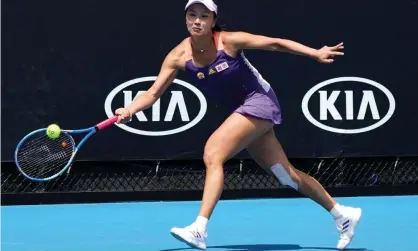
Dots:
{"x": 40, "y": 156}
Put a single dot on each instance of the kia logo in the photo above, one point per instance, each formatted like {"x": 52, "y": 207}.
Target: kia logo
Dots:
{"x": 348, "y": 105}
{"x": 172, "y": 113}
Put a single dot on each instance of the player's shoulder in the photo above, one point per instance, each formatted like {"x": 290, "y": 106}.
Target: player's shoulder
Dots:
{"x": 231, "y": 41}
{"x": 231, "y": 37}
{"x": 180, "y": 49}
{"x": 178, "y": 54}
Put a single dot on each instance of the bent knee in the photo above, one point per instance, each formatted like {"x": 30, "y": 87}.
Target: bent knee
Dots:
{"x": 286, "y": 175}
{"x": 213, "y": 159}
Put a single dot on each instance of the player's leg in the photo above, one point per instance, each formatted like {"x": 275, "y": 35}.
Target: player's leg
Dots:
{"x": 234, "y": 135}
{"x": 269, "y": 154}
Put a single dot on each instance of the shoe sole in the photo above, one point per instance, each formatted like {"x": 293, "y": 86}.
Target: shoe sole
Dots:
{"x": 185, "y": 242}
{"x": 355, "y": 226}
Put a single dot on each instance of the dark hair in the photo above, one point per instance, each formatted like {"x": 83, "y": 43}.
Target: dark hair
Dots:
{"x": 217, "y": 27}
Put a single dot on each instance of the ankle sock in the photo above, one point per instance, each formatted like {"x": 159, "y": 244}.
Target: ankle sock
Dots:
{"x": 336, "y": 211}
{"x": 201, "y": 222}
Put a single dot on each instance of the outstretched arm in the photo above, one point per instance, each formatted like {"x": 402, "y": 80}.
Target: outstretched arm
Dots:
{"x": 244, "y": 40}
{"x": 165, "y": 77}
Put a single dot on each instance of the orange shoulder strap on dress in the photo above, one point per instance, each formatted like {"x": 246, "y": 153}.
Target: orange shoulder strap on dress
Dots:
{"x": 216, "y": 36}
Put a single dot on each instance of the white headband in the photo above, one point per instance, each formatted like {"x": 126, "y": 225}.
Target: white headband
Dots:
{"x": 208, "y": 3}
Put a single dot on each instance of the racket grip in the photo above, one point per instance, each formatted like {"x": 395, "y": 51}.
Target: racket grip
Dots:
{"x": 107, "y": 122}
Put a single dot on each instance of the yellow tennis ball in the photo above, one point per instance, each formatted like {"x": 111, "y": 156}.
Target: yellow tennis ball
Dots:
{"x": 53, "y": 131}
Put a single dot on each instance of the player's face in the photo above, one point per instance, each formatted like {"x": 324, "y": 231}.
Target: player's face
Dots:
{"x": 199, "y": 20}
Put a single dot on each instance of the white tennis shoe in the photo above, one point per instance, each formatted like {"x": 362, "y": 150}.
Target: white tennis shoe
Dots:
{"x": 346, "y": 224}
{"x": 195, "y": 237}
{"x": 191, "y": 235}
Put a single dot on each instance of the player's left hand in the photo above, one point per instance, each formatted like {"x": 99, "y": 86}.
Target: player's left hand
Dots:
{"x": 326, "y": 54}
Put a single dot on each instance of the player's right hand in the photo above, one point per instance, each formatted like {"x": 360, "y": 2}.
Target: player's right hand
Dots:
{"x": 124, "y": 115}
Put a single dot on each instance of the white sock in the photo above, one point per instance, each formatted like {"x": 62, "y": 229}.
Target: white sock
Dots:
{"x": 336, "y": 211}
{"x": 201, "y": 222}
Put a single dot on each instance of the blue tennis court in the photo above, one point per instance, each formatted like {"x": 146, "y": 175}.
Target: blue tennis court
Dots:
{"x": 388, "y": 224}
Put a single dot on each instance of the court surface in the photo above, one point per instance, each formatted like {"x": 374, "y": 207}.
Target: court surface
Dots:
{"x": 388, "y": 224}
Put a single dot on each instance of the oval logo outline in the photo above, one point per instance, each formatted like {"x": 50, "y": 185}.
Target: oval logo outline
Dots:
{"x": 310, "y": 118}
{"x": 197, "y": 119}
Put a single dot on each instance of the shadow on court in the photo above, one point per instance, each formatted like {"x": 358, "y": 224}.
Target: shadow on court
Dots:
{"x": 268, "y": 247}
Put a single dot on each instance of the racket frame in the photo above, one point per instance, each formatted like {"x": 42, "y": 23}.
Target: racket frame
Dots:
{"x": 90, "y": 131}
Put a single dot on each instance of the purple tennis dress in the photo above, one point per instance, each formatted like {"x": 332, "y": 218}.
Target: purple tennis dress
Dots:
{"x": 237, "y": 85}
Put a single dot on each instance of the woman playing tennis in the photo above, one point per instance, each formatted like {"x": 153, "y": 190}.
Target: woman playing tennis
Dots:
{"x": 215, "y": 61}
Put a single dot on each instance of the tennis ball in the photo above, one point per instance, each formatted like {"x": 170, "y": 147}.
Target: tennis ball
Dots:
{"x": 53, "y": 131}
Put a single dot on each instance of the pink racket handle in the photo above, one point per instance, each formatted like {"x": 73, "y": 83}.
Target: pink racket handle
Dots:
{"x": 107, "y": 122}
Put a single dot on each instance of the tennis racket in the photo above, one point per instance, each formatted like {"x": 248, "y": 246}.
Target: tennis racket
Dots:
{"x": 41, "y": 158}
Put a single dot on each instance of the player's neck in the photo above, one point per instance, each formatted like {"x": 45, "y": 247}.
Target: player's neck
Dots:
{"x": 202, "y": 43}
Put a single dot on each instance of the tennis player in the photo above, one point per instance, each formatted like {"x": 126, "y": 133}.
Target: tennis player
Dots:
{"x": 215, "y": 61}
